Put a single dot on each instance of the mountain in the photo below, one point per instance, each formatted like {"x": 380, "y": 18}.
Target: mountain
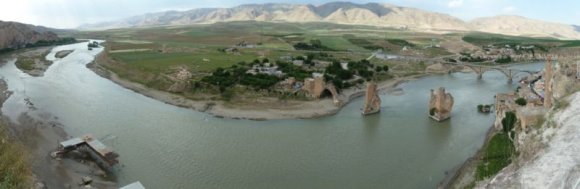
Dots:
{"x": 517, "y": 25}
{"x": 375, "y": 14}
{"x": 14, "y": 35}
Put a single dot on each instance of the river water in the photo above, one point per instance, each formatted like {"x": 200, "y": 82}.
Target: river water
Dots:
{"x": 169, "y": 147}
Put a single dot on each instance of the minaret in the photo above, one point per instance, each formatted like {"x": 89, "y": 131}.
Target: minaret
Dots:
{"x": 548, "y": 74}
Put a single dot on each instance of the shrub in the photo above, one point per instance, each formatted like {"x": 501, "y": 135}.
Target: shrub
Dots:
{"x": 521, "y": 101}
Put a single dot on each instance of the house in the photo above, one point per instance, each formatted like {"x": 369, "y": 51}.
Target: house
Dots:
{"x": 298, "y": 62}
{"x": 344, "y": 65}
{"x": 99, "y": 152}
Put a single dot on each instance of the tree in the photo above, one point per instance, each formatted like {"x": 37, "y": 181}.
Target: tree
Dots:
{"x": 521, "y": 101}
{"x": 386, "y": 68}
{"x": 265, "y": 60}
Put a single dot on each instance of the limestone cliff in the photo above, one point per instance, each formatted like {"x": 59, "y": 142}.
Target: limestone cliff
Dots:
{"x": 15, "y": 35}
{"x": 440, "y": 105}
{"x": 548, "y": 155}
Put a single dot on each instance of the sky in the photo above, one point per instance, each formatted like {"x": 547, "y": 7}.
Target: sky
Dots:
{"x": 72, "y": 13}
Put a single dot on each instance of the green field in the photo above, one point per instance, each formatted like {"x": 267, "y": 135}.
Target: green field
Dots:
{"x": 152, "y": 61}
{"x": 481, "y": 39}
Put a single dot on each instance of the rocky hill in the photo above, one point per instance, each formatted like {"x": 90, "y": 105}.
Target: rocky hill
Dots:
{"x": 384, "y": 15}
{"x": 337, "y": 12}
{"x": 517, "y": 25}
{"x": 15, "y": 35}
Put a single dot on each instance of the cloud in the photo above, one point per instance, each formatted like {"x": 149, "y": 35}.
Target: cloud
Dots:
{"x": 455, "y": 3}
{"x": 510, "y": 9}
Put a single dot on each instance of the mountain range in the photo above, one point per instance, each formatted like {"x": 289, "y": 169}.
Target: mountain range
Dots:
{"x": 375, "y": 14}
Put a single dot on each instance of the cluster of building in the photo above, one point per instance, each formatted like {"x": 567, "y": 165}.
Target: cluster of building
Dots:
{"x": 266, "y": 68}
{"x": 536, "y": 90}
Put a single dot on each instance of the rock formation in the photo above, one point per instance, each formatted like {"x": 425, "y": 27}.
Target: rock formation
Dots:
{"x": 15, "y": 35}
{"x": 440, "y": 105}
{"x": 372, "y": 100}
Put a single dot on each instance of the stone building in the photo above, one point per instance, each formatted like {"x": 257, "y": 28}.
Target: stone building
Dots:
{"x": 314, "y": 87}
{"x": 440, "y": 105}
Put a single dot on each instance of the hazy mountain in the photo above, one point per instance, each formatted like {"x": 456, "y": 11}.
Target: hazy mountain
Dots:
{"x": 517, "y": 25}
{"x": 348, "y": 13}
{"x": 17, "y": 35}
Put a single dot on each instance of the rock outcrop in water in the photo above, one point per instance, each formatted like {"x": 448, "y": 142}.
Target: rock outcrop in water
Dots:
{"x": 440, "y": 105}
{"x": 372, "y": 100}
{"x": 15, "y": 35}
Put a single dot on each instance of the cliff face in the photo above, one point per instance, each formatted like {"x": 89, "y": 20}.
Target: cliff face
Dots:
{"x": 15, "y": 35}
{"x": 549, "y": 155}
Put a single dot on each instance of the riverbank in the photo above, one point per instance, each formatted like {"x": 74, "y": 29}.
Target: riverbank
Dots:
{"x": 39, "y": 134}
{"x": 258, "y": 109}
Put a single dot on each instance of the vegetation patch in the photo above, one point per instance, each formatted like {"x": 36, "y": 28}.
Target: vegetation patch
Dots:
{"x": 497, "y": 155}
{"x": 314, "y": 45}
{"x": 401, "y": 42}
{"x": 43, "y": 43}
{"x": 499, "y": 151}
{"x": 14, "y": 166}
{"x": 521, "y": 101}
{"x": 364, "y": 43}
{"x": 25, "y": 63}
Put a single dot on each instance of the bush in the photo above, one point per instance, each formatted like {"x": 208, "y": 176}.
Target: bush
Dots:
{"x": 521, "y": 101}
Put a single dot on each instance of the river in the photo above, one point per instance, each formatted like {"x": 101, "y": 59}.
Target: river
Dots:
{"x": 164, "y": 146}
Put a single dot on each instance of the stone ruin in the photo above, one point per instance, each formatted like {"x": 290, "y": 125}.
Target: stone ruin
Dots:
{"x": 440, "y": 105}
{"x": 372, "y": 100}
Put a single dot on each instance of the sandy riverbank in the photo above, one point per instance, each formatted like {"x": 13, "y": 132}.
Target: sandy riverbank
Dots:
{"x": 258, "y": 109}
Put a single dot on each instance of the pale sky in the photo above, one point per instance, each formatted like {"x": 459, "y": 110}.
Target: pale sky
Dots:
{"x": 72, "y": 13}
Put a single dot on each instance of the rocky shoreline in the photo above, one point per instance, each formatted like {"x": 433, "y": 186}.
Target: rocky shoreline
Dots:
{"x": 278, "y": 110}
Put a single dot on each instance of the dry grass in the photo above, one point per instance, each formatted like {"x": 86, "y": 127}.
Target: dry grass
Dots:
{"x": 15, "y": 170}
